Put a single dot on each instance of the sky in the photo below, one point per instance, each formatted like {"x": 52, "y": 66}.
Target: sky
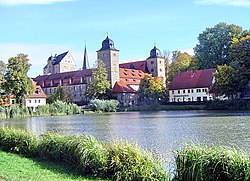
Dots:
{"x": 41, "y": 28}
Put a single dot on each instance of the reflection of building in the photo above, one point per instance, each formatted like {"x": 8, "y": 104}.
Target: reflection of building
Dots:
{"x": 124, "y": 78}
{"x": 192, "y": 86}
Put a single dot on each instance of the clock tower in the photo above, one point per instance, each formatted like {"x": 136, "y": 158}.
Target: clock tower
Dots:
{"x": 110, "y": 57}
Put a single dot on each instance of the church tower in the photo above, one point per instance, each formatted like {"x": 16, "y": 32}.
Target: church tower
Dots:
{"x": 156, "y": 64}
{"x": 110, "y": 57}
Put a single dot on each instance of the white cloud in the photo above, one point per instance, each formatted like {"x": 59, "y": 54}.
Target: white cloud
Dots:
{"x": 30, "y": 2}
{"x": 242, "y": 3}
{"x": 39, "y": 53}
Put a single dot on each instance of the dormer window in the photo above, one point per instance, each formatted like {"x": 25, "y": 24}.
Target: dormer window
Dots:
{"x": 70, "y": 81}
{"x": 81, "y": 80}
{"x": 60, "y": 82}
{"x": 43, "y": 84}
{"x": 51, "y": 82}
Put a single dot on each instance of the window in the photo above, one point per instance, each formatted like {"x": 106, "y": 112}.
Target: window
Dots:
{"x": 188, "y": 91}
{"x": 160, "y": 62}
{"x": 35, "y": 100}
{"x": 160, "y": 70}
{"x": 29, "y": 101}
{"x": 179, "y": 91}
{"x": 39, "y": 101}
{"x": 192, "y": 90}
{"x": 204, "y": 98}
{"x": 152, "y": 70}
{"x": 51, "y": 82}
{"x": 172, "y": 91}
{"x": 183, "y": 91}
{"x": 152, "y": 62}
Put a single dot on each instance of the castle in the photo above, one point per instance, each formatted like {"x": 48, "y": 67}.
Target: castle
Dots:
{"x": 124, "y": 78}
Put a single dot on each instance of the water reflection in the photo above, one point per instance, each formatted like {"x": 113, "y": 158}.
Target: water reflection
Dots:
{"x": 156, "y": 131}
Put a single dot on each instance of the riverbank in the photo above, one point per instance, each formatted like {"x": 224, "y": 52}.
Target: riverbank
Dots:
{"x": 159, "y": 107}
{"x": 123, "y": 161}
{"x": 18, "y": 168}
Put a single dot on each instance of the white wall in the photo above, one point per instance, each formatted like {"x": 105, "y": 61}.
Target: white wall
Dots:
{"x": 185, "y": 95}
{"x": 34, "y": 102}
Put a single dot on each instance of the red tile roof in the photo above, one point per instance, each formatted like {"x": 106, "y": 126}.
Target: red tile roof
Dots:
{"x": 75, "y": 77}
{"x": 138, "y": 65}
{"x": 122, "y": 87}
{"x": 128, "y": 77}
{"x": 195, "y": 79}
{"x": 38, "y": 93}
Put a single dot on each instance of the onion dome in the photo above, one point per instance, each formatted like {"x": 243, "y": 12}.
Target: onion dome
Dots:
{"x": 108, "y": 44}
{"x": 155, "y": 53}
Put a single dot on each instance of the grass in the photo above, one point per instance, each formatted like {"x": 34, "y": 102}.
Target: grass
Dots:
{"x": 15, "y": 167}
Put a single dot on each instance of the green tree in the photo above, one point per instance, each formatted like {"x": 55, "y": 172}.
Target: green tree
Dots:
{"x": 214, "y": 43}
{"x": 60, "y": 95}
{"x": 151, "y": 89}
{"x": 230, "y": 81}
{"x": 16, "y": 82}
{"x": 180, "y": 62}
{"x": 99, "y": 86}
{"x": 240, "y": 52}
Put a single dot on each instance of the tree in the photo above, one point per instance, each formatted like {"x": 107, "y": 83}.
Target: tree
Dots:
{"x": 99, "y": 87}
{"x": 180, "y": 62}
{"x": 240, "y": 52}
{"x": 230, "y": 81}
{"x": 151, "y": 88}
{"x": 213, "y": 46}
{"x": 16, "y": 81}
{"x": 61, "y": 95}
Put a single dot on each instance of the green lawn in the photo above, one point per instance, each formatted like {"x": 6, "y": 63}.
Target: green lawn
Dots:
{"x": 15, "y": 167}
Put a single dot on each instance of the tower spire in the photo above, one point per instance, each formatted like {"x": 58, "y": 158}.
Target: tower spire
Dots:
{"x": 85, "y": 58}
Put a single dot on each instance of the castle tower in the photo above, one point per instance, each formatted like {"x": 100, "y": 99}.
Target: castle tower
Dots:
{"x": 110, "y": 57}
{"x": 156, "y": 64}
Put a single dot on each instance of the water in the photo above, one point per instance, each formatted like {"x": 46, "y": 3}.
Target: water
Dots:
{"x": 161, "y": 132}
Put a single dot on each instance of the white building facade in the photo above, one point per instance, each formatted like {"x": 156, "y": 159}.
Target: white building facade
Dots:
{"x": 193, "y": 86}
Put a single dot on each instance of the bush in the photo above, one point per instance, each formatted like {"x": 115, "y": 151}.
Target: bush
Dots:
{"x": 104, "y": 105}
{"x": 212, "y": 163}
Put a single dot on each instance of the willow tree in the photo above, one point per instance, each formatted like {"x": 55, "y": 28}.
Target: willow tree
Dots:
{"x": 16, "y": 82}
{"x": 99, "y": 86}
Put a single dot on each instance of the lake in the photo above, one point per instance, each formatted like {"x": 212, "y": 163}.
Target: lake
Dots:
{"x": 161, "y": 132}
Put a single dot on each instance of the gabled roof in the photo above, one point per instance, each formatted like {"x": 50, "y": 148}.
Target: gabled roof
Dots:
{"x": 38, "y": 93}
{"x": 122, "y": 87}
{"x": 59, "y": 58}
{"x": 138, "y": 65}
{"x": 192, "y": 79}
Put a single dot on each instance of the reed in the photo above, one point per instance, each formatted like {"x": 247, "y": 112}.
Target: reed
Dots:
{"x": 129, "y": 162}
{"x": 18, "y": 141}
{"x": 212, "y": 163}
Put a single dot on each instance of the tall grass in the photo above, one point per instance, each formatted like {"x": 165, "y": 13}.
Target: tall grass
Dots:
{"x": 55, "y": 109}
{"x": 212, "y": 163}
{"x": 19, "y": 141}
{"x": 115, "y": 160}
{"x": 129, "y": 162}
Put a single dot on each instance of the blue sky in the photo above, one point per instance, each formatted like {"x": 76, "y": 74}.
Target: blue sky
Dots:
{"x": 41, "y": 27}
